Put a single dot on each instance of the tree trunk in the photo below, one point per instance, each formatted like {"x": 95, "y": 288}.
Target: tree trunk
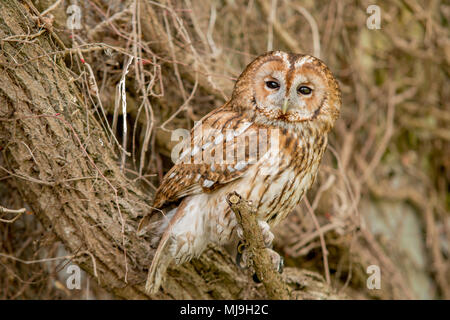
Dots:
{"x": 66, "y": 169}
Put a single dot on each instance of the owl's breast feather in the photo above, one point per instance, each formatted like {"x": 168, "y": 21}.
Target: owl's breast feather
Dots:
{"x": 278, "y": 183}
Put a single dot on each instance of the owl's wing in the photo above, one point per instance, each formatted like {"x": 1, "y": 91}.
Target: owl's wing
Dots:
{"x": 220, "y": 150}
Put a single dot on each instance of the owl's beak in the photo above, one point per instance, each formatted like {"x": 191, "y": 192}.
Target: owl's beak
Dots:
{"x": 285, "y": 105}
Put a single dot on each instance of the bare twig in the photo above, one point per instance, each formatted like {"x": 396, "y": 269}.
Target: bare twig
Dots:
{"x": 322, "y": 242}
{"x": 19, "y": 212}
{"x": 52, "y": 7}
{"x": 314, "y": 29}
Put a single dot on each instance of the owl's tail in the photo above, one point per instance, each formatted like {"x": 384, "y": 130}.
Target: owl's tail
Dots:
{"x": 159, "y": 265}
{"x": 162, "y": 257}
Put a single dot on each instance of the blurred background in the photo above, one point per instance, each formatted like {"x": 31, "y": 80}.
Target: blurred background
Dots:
{"x": 382, "y": 196}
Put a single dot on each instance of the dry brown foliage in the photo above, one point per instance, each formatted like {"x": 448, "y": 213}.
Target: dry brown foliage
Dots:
{"x": 382, "y": 197}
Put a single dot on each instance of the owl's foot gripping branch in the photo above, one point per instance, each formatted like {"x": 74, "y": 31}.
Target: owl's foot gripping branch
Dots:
{"x": 260, "y": 257}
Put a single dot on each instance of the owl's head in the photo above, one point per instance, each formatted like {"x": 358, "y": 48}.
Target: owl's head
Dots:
{"x": 288, "y": 89}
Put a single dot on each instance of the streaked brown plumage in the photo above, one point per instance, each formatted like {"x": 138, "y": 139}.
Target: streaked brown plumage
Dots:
{"x": 286, "y": 102}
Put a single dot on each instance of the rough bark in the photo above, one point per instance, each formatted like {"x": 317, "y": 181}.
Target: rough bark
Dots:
{"x": 67, "y": 172}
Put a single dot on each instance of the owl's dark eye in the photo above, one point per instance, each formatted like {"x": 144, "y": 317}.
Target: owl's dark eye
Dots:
{"x": 272, "y": 84}
{"x": 304, "y": 90}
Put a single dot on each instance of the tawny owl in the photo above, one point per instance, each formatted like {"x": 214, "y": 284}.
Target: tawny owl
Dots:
{"x": 265, "y": 143}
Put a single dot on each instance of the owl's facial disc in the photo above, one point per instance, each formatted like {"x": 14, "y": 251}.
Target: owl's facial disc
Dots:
{"x": 270, "y": 86}
{"x": 289, "y": 94}
{"x": 307, "y": 92}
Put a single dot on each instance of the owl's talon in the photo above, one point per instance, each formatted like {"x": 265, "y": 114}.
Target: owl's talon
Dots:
{"x": 281, "y": 265}
{"x": 277, "y": 260}
{"x": 255, "y": 278}
{"x": 240, "y": 252}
